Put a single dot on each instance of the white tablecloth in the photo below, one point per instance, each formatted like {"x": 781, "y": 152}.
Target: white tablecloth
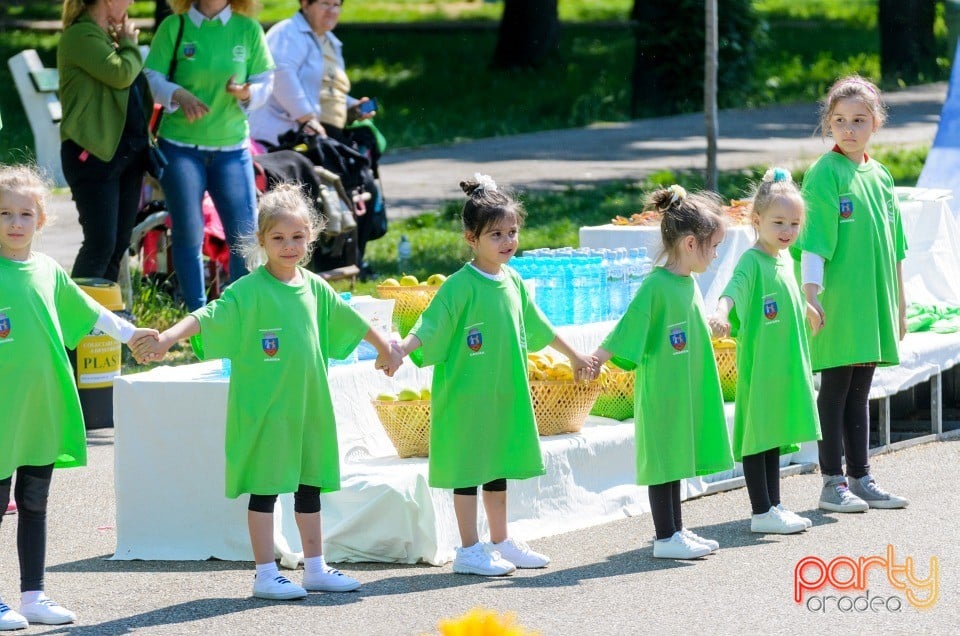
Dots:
{"x": 739, "y": 238}
{"x": 931, "y": 271}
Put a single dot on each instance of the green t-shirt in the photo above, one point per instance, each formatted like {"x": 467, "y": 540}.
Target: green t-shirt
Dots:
{"x": 681, "y": 430}
{"x": 280, "y": 425}
{"x": 206, "y": 59}
{"x": 477, "y": 332}
{"x": 853, "y": 222}
{"x": 776, "y": 407}
{"x": 41, "y": 312}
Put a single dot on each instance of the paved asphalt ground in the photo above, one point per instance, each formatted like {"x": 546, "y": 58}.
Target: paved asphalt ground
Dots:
{"x": 603, "y": 580}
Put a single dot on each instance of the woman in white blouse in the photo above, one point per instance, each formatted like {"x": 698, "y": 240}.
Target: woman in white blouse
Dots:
{"x": 311, "y": 87}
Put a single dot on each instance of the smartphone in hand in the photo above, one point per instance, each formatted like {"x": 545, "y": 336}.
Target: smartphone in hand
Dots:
{"x": 367, "y": 107}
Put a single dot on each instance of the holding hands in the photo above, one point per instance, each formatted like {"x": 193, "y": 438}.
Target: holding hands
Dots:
{"x": 390, "y": 361}
{"x": 142, "y": 339}
{"x": 585, "y": 366}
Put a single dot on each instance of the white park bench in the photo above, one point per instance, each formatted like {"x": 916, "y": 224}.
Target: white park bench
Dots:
{"x": 38, "y": 86}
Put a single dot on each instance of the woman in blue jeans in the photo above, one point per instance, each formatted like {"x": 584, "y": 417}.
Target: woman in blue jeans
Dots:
{"x": 221, "y": 68}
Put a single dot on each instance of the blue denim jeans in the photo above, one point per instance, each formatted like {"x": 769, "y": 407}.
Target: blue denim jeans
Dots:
{"x": 228, "y": 177}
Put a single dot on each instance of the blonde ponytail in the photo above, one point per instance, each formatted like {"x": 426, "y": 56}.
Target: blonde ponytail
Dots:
{"x": 72, "y": 10}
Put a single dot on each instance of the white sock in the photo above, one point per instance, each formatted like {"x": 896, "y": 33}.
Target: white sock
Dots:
{"x": 314, "y": 565}
{"x": 30, "y": 597}
{"x": 267, "y": 570}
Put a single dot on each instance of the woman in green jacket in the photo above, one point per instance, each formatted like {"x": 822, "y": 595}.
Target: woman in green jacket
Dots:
{"x": 106, "y": 110}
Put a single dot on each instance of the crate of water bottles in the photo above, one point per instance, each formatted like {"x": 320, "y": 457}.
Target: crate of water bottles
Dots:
{"x": 575, "y": 286}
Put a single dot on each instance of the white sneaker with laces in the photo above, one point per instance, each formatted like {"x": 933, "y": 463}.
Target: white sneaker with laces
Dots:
{"x": 696, "y": 538}
{"x": 481, "y": 559}
{"x": 46, "y": 612}
{"x": 775, "y": 522}
{"x": 330, "y": 580}
{"x": 520, "y": 554}
{"x": 792, "y": 515}
{"x": 10, "y": 619}
{"x": 277, "y": 588}
{"x": 679, "y": 547}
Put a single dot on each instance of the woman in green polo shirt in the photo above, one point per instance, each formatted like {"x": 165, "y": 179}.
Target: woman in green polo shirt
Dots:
{"x": 208, "y": 65}
{"x": 106, "y": 106}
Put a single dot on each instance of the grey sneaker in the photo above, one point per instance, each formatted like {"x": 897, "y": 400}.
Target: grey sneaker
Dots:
{"x": 836, "y": 497}
{"x": 866, "y": 488}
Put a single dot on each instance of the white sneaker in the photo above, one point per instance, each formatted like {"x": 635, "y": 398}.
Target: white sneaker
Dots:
{"x": 679, "y": 547}
{"x": 482, "y": 559}
{"x": 10, "y": 619}
{"x": 792, "y": 515}
{"x": 520, "y": 554}
{"x": 696, "y": 538}
{"x": 330, "y": 580}
{"x": 46, "y": 612}
{"x": 277, "y": 588}
{"x": 774, "y": 521}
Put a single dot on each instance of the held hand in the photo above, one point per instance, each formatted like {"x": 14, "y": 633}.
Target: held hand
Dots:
{"x": 585, "y": 367}
{"x": 240, "y": 91}
{"x": 720, "y": 327}
{"x": 313, "y": 127}
{"x": 815, "y": 315}
{"x": 389, "y": 364}
{"x": 142, "y": 344}
{"x": 192, "y": 107}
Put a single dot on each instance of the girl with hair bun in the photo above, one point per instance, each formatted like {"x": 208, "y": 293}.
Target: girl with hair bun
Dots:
{"x": 763, "y": 306}
{"x": 681, "y": 429}
{"x": 477, "y": 331}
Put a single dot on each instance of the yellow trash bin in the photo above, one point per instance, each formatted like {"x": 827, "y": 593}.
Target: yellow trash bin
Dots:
{"x": 97, "y": 359}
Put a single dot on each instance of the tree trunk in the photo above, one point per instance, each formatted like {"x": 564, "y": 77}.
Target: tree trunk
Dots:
{"x": 907, "y": 46}
{"x": 529, "y": 33}
{"x": 160, "y": 10}
{"x": 710, "y": 65}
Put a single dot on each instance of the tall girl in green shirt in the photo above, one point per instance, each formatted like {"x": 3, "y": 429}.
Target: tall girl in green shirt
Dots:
{"x": 477, "y": 331}
{"x": 681, "y": 430}
{"x": 850, "y": 252}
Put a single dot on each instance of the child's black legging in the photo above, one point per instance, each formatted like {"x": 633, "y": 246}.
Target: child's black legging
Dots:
{"x": 305, "y": 501}
{"x": 665, "y": 508}
{"x": 497, "y": 485}
{"x": 845, "y": 420}
{"x": 30, "y": 493}
{"x": 761, "y": 471}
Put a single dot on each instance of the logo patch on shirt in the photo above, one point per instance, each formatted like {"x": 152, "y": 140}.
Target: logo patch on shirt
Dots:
{"x": 769, "y": 308}
{"x": 678, "y": 339}
{"x": 474, "y": 340}
{"x": 189, "y": 50}
{"x": 270, "y": 343}
{"x": 891, "y": 211}
{"x": 239, "y": 53}
{"x": 846, "y": 206}
{"x": 4, "y": 325}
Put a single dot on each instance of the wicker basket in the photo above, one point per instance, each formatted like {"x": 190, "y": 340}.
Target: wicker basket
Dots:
{"x": 562, "y": 406}
{"x": 407, "y": 424}
{"x": 616, "y": 395}
{"x": 725, "y": 353}
{"x": 410, "y": 303}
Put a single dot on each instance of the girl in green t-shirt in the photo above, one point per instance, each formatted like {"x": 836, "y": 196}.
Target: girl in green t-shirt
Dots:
{"x": 279, "y": 326}
{"x": 681, "y": 430}
{"x": 477, "y": 331}
{"x": 850, "y": 253}
{"x": 42, "y": 313}
{"x": 775, "y": 407}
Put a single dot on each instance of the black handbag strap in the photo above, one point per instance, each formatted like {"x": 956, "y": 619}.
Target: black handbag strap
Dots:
{"x": 176, "y": 48}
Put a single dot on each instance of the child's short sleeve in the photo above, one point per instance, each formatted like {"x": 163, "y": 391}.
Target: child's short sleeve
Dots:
{"x": 77, "y": 312}
{"x": 628, "y": 340}
{"x": 740, "y": 290}
{"x": 434, "y": 328}
{"x": 345, "y": 328}
{"x": 821, "y": 195}
{"x": 220, "y": 322}
{"x": 899, "y": 236}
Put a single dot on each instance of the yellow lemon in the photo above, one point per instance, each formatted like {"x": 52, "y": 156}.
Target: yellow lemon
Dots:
{"x": 408, "y": 395}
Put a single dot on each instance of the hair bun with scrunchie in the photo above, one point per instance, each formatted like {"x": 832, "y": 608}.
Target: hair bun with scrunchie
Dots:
{"x": 777, "y": 175}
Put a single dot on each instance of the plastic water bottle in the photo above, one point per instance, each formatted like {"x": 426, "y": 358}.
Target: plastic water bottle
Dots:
{"x": 404, "y": 251}
{"x": 595, "y": 289}
{"x": 580, "y": 275}
{"x": 634, "y": 272}
{"x": 354, "y": 355}
{"x": 616, "y": 284}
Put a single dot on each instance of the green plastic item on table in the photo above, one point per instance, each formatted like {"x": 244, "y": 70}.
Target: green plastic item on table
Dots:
{"x": 935, "y": 318}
